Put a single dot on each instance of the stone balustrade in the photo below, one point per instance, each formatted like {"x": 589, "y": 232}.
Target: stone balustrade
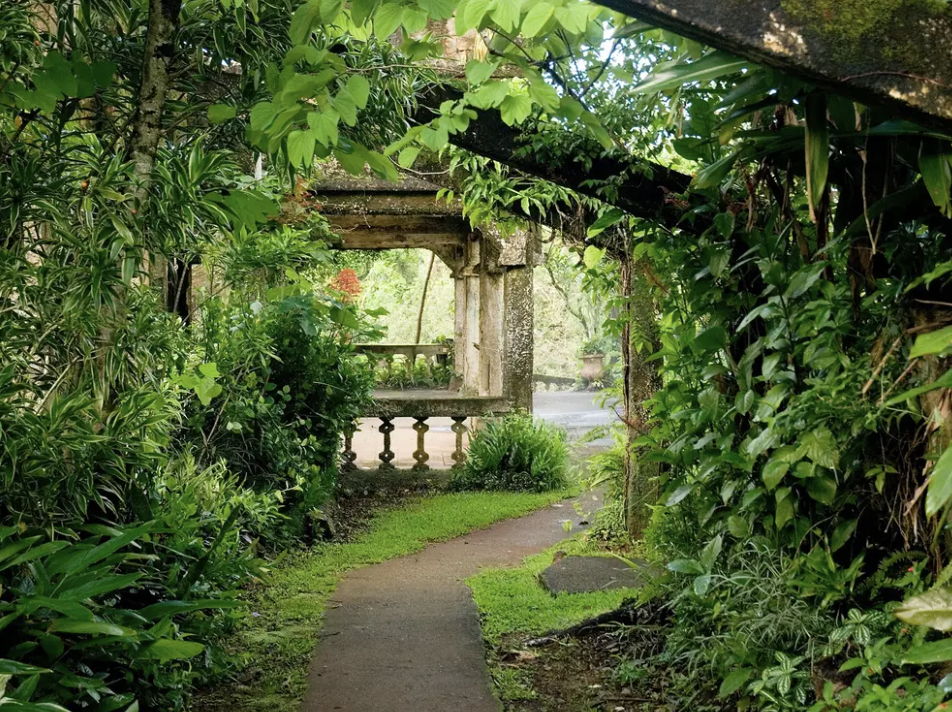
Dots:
{"x": 421, "y": 407}
{"x": 389, "y": 358}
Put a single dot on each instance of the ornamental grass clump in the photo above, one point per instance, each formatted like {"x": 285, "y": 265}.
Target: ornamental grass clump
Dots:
{"x": 515, "y": 453}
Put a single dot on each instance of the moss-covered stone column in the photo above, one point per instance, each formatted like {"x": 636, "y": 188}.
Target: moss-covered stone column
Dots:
{"x": 519, "y": 320}
{"x": 491, "y": 337}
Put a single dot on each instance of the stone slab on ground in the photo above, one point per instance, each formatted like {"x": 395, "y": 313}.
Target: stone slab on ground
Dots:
{"x": 585, "y": 574}
{"x": 403, "y": 636}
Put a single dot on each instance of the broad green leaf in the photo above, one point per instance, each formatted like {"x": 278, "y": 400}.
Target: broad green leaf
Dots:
{"x": 817, "y": 147}
{"x": 713, "y": 66}
{"x": 70, "y": 561}
{"x": 325, "y": 126}
{"x": 262, "y": 115}
{"x": 68, "y": 608}
{"x": 354, "y": 162}
{"x": 97, "y": 587}
{"x": 506, "y": 14}
{"x": 932, "y": 608}
{"x": 679, "y": 495}
{"x": 593, "y": 256}
{"x": 738, "y": 526}
{"x": 724, "y": 224}
{"x": 702, "y": 584}
{"x": 346, "y": 106}
{"x": 820, "y": 446}
{"x": 359, "y": 88}
{"x": 360, "y": 11}
{"x": 301, "y": 148}
{"x": 804, "y": 279}
{"x": 477, "y": 72}
{"x": 38, "y": 552}
{"x": 475, "y": 11}
{"x": 940, "y": 484}
{"x": 543, "y": 93}
{"x": 842, "y": 534}
{"x": 515, "y": 109}
{"x": 330, "y": 9}
{"x": 489, "y": 95}
{"x": 68, "y": 625}
{"x": 784, "y": 512}
{"x": 936, "y": 173}
{"x": 711, "y": 176}
{"x": 387, "y": 19}
{"x": 209, "y": 369}
{"x": 773, "y": 473}
{"x": 537, "y": 17}
{"x": 303, "y": 22}
{"x": 167, "y": 649}
{"x": 12, "y": 667}
{"x": 733, "y": 682}
{"x": 685, "y": 566}
{"x": 711, "y": 339}
{"x": 608, "y": 219}
{"x": 573, "y": 18}
{"x": 18, "y": 546}
{"x": 932, "y": 343}
{"x": 938, "y": 652}
{"x": 822, "y": 489}
{"x": 220, "y": 113}
{"x": 171, "y": 608}
{"x": 408, "y": 156}
{"x": 438, "y": 9}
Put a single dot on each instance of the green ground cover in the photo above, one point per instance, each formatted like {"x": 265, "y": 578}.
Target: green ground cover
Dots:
{"x": 512, "y": 604}
{"x": 286, "y": 612}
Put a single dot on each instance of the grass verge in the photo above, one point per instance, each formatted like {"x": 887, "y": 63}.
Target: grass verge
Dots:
{"x": 286, "y": 613}
{"x": 512, "y": 604}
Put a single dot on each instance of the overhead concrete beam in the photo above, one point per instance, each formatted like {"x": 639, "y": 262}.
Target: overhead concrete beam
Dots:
{"x": 899, "y": 57}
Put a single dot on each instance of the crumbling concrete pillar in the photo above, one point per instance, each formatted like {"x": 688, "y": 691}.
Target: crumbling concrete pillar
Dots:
{"x": 491, "y": 336}
{"x": 471, "y": 336}
{"x": 520, "y": 319}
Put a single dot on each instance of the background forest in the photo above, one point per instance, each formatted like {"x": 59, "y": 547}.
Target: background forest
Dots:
{"x": 775, "y": 257}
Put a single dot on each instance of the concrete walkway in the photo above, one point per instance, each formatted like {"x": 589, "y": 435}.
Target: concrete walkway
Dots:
{"x": 403, "y": 636}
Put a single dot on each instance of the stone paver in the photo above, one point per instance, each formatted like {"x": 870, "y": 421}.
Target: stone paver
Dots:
{"x": 403, "y": 636}
{"x": 582, "y": 574}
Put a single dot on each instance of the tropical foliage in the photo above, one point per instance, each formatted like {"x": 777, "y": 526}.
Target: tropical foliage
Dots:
{"x": 781, "y": 304}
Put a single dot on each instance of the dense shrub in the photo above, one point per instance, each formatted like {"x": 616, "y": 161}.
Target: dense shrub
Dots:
{"x": 515, "y": 453}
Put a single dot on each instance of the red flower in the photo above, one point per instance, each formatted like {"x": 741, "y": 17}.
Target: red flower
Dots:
{"x": 347, "y": 283}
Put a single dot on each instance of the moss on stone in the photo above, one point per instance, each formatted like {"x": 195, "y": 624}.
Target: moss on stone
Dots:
{"x": 852, "y": 21}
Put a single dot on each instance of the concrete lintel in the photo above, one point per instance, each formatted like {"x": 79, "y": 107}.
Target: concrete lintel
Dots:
{"x": 903, "y": 60}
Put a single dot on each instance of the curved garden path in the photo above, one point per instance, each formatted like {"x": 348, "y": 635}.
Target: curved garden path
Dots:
{"x": 403, "y": 636}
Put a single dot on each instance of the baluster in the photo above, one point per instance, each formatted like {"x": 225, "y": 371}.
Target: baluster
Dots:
{"x": 421, "y": 455}
{"x": 386, "y": 457}
{"x": 349, "y": 457}
{"x": 459, "y": 427}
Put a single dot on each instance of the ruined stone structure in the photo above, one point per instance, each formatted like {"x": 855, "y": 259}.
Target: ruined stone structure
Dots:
{"x": 493, "y": 339}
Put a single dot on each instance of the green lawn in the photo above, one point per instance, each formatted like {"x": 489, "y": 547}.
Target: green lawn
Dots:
{"x": 286, "y": 613}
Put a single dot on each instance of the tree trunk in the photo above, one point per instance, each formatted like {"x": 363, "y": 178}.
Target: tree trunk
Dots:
{"x": 426, "y": 287}
{"x": 147, "y": 129}
{"x": 640, "y": 383}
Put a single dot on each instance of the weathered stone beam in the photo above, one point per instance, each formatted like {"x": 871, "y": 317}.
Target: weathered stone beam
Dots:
{"x": 899, "y": 57}
{"x": 429, "y": 405}
{"x": 644, "y": 192}
{"x": 388, "y": 232}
